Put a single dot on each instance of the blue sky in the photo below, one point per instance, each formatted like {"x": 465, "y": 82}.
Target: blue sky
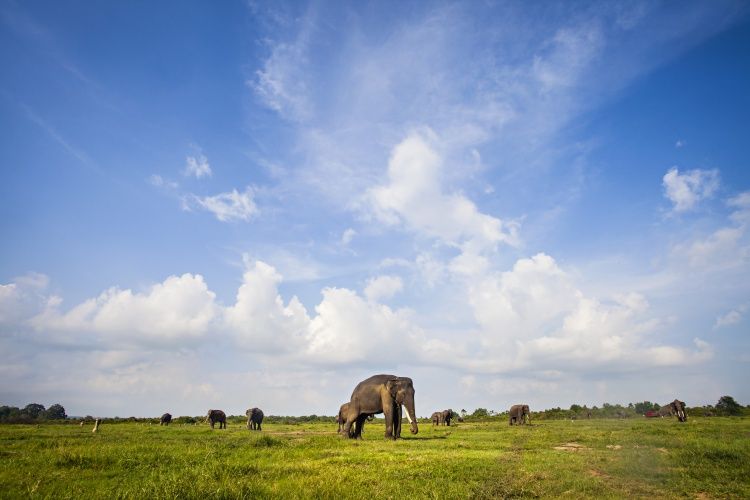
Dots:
{"x": 260, "y": 204}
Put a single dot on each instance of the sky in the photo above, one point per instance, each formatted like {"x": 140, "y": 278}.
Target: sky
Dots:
{"x": 237, "y": 204}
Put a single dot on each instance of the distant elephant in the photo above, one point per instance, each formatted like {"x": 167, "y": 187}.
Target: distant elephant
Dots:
{"x": 165, "y": 419}
{"x": 676, "y": 407}
{"x": 381, "y": 394}
{"x": 519, "y": 414}
{"x": 435, "y": 417}
{"x": 219, "y": 416}
{"x": 446, "y": 416}
{"x": 254, "y": 418}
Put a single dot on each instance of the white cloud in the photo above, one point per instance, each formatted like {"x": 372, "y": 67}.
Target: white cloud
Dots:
{"x": 229, "y": 206}
{"x": 383, "y": 287}
{"x": 281, "y": 83}
{"x": 179, "y": 309}
{"x": 732, "y": 317}
{"x": 414, "y": 197}
{"x": 259, "y": 318}
{"x": 725, "y": 248}
{"x": 197, "y": 166}
{"x": 680, "y": 143}
{"x": 687, "y": 189}
{"x": 19, "y": 299}
{"x": 349, "y": 329}
{"x": 534, "y": 314}
{"x": 157, "y": 180}
{"x": 348, "y": 236}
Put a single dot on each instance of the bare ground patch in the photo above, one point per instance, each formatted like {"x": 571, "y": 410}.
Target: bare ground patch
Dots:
{"x": 571, "y": 447}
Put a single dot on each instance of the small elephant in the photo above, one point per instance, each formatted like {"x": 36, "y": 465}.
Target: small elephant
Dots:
{"x": 165, "y": 419}
{"x": 215, "y": 416}
{"x": 435, "y": 417}
{"x": 676, "y": 407}
{"x": 519, "y": 414}
{"x": 341, "y": 420}
{"x": 381, "y": 394}
{"x": 254, "y": 418}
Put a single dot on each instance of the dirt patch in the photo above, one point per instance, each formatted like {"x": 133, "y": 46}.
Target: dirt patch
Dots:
{"x": 662, "y": 450}
{"x": 571, "y": 447}
{"x": 598, "y": 473}
{"x": 614, "y": 446}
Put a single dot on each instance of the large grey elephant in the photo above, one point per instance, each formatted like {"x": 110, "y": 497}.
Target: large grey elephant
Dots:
{"x": 214, "y": 416}
{"x": 254, "y": 418}
{"x": 165, "y": 419}
{"x": 677, "y": 408}
{"x": 519, "y": 414}
{"x": 381, "y": 394}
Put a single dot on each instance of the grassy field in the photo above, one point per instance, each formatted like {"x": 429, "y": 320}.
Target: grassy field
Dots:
{"x": 704, "y": 458}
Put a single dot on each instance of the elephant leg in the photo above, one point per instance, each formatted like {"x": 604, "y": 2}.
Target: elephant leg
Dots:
{"x": 388, "y": 411}
{"x": 359, "y": 426}
{"x": 397, "y": 423}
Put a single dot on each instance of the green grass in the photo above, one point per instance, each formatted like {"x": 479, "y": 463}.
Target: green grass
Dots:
{"x": 704, "y": 458}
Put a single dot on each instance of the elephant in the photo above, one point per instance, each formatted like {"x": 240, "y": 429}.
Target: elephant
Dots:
{"x": 519, "y": 414}
{"x": 435, "y": 417}
{"x": 341, "y": 419}
{"x": 219, "y": 416}
{"x": 165, "y": 419}
{"x": 254, "y": 418}
{"x": 676, "y": 407}
{"x": 446, "y": 416}
{"x": 381, "y": 394}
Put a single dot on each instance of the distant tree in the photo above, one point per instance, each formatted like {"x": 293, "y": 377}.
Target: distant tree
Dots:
{"x": 463, "y": 413}
{"x": 728, "y": 406}
{"x": 575, "y": 408}
{"x": 55, "y": 412}
{"x": 480, "y": 412}
{"x": 33, "y": 410}
{"x": 8, "y": 412}
{"x": 644, "y": 407}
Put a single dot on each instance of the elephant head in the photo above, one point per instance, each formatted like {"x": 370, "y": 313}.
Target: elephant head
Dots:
{"x": 678, "y": 408}
{"x": 402, "y": 391}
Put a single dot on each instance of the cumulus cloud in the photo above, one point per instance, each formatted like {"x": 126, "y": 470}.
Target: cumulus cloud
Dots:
{"x": 197, "y": 166}
{"x": 686, "y": 189}
{"x": 534, "y": 313}
{"x": 229, "y": 206}
{"x": 414, "y": 197}
{"x": 349, "y": 329}
{"x": 383, "y": 287}
{"x": 179, "y": 309}
{"x": 259, "y": 318}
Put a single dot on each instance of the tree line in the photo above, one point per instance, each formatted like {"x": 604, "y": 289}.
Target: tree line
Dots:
{"x": 31, "y": 413}
{"x": 726, "y": 406}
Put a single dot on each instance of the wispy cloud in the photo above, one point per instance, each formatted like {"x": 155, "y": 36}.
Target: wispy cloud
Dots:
{"x": 229, "y": 206}
{"x": 197, "y": 166}
{"x": 732, "y": 317}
